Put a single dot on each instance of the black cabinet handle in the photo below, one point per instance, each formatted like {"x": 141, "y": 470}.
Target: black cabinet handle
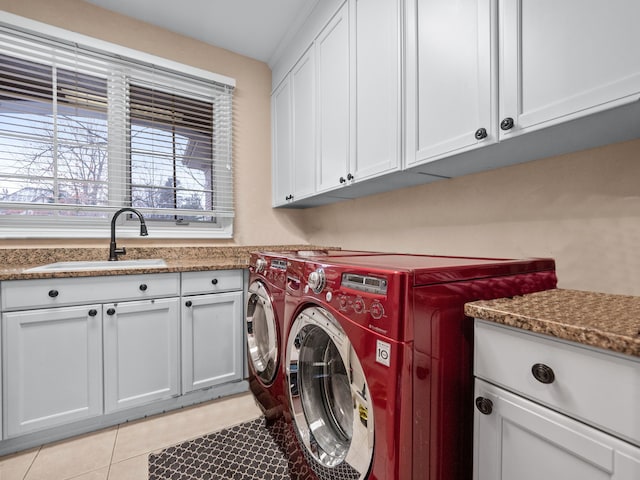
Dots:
{"x": 214, "y": 281}
{"x": 481, "y": 133}
{"x": 53, "y": 293}
{"x": 507, "y": 123}
{"x": 543, "y": 373}
{"x": 188, "y": 303}
{"x": 111, "y": 311}
{"x": 288, "y": 197}
{"x": 350, "y": 177}
{"x": 342, "y": 180}
{"x": 93, "y": 312}
{"x": 484, "y": 405}
{"x": 143, "y": 287}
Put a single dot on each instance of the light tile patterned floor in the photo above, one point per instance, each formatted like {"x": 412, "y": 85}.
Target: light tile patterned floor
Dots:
{"x": 120, "y": 453}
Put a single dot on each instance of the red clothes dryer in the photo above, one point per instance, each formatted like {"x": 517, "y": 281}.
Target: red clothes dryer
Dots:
{"x": 378, "y": 360}
{"x": 264, "y": 326}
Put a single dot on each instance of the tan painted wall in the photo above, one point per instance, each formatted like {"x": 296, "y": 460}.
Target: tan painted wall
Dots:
{"x": 583, "y": 209}
{"x": 252, "y": 138}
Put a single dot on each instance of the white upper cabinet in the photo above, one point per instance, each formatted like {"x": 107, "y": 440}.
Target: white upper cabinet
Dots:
{"x": 378, "y": 117}
{"x": 281, "y": 134}
{"x": 450, "y": 92}
{"x": 565, "y": 59}
{"x": 345, "y": 116}
{"x": 303, "y": 99}
{"x": 293, "y": 113}
{"x": 332, "y": 55}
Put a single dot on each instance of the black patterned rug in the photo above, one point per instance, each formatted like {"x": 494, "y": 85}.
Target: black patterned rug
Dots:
{"x": 250, "y": 451}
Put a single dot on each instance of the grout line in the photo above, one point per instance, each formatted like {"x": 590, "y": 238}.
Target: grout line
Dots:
{"x": 113, "y": 451}
{"x": 32, "y": 462}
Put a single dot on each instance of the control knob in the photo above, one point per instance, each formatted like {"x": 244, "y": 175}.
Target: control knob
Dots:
{"x": 317, "y": 280}
{"x": 377, "y": 310}
{"x": 358, "y": 305}
{"x": 261, "y": 264}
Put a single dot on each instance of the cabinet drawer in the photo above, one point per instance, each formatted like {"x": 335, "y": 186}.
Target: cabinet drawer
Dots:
{"x": 53, "y": 292}
{"x": 196, "y": 283}
{"x": 591, "y": 385}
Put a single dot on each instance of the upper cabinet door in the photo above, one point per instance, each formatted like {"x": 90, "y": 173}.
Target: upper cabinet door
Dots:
{"x": 378, "y": 74}
{"x": 332, "y": 51}
{"x": 450, "y": 87}
{"x": 281, "y": 134}
{"x": 304, "y": 125}
{"x": 563, "y": 59}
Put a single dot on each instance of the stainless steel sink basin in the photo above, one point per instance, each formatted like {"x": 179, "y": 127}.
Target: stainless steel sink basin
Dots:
{"x": 99, "y": 265}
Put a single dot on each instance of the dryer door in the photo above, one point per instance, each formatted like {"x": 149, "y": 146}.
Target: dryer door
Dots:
{"x": 329, "y": 397}
{"x": 262, "y": 333}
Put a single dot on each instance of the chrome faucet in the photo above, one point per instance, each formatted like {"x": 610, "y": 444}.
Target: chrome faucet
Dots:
{"x": 113, "y": 250}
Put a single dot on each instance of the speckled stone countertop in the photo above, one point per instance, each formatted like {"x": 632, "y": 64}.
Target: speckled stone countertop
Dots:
{"x": 15, "y": 262}
{"x": 600, "y": 320}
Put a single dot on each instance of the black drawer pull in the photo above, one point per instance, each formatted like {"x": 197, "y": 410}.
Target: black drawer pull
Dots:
{"x": 543, "y": 373}
{"x": 507, "y": 124}
{"x": 111, "y": 311}
{"x": 214, "y": 281}
{"x": 484, "y": 405}
{"x": 93, "y": 312}
{"x": 188, "y": 303}
{"x": 53, "y": 293}
{"x": 143, "y": 287}
{"x": 481, "y": 133}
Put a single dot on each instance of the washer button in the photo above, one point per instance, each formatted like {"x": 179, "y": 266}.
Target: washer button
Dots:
{"x": 358, "y": 305}
{"x": 377, "y": 310}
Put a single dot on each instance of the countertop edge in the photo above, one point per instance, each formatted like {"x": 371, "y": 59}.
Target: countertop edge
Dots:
{"x": 557, "y": 325}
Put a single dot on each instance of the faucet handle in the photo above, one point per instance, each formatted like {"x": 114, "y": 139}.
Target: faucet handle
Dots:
{"x": 120, "y": 251}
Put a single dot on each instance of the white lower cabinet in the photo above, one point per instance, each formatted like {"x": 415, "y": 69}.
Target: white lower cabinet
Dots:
{"x": 52, "y": 360}
{"x": 141, "y": 352}
{"x": 552, "y": 409}
{"x": 82, "y": 353}
{"x": 212, "y": 347}
{"x": 517, "y": 439}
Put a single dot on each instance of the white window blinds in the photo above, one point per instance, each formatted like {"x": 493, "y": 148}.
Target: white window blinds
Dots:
{"x": 84, "y": 132}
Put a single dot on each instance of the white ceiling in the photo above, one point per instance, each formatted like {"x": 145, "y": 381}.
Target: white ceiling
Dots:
{"x": 253, "y": 28}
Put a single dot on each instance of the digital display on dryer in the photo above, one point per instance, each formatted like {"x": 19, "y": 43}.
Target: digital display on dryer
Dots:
{"x": 365, "y": 283}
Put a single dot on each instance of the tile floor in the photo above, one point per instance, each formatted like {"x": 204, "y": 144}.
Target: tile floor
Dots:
{"x": 120, "y": 452}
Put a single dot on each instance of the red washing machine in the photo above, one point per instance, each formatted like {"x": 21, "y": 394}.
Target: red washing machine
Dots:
{"x": 264, "y": 323}
{"x": 378, "y": 360}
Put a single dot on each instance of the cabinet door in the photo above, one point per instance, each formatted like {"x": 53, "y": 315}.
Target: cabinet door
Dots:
{"x": 332, "y": 51}
{"x": 52, "y": 367}
{"x": 281, "y": 124}
{"x": 451, "y": 102}
{"x": 566, "y": 58}
{"x": 141, "y": 342}
{"x": 304, "y": 125}
{"x": 378, "y": 113}
{"x": 212, "y": 344}
{"x": 521, "y": 440}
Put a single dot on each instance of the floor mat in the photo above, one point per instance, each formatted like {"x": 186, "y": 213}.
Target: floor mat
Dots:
{"x": 250, "y": 451}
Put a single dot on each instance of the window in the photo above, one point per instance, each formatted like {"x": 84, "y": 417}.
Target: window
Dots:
{"x": 84, "y": 132}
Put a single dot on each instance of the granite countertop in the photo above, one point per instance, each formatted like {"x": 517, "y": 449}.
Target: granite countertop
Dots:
{"x": 600, "y": 320}
{"x": 15, "y": 262}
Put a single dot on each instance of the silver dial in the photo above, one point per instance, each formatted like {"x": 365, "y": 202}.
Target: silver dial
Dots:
{"x": 261, "y": 264}
{"x": 317, "y": 280}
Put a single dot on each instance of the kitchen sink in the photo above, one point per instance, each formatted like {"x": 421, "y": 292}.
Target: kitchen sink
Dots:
{"x": 99, "y": 265}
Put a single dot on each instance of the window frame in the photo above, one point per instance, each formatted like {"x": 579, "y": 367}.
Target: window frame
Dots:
{"x": 43, "y": 227}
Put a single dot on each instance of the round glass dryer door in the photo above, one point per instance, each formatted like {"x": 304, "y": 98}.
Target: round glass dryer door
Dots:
{"x": 329, "y": 397}
{"x": 262, "y": 333}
